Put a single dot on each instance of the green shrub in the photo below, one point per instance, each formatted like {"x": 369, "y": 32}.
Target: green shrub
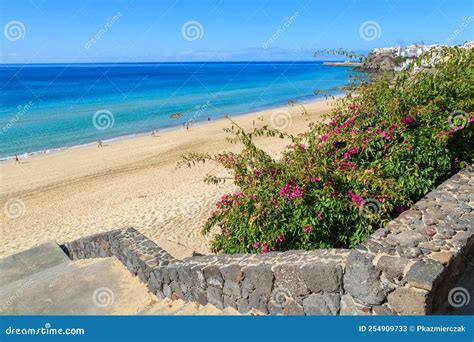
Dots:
{"x": 377, "y": 152}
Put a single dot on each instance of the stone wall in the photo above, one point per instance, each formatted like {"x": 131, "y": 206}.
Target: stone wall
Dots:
{"x": 407, "y": 267}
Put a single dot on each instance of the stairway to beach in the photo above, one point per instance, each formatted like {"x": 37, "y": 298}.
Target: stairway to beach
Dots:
{"x": 44, "y": 281}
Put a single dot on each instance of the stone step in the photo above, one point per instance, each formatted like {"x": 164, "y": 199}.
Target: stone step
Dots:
{"x": 186, "y": 309}
{"x": 83, "y": 287}
{"x": 179, "y": 307}
{"x": 230, "y": 311}
{"x": 209, "y": 310}
{"x": 44, "y": 281}
{"x": 170, "y": 309}
{"x": 26, "y": 263}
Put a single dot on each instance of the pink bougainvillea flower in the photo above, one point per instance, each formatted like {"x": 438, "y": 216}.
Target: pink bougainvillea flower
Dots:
{"x": 352, "y": 151}
{"x": 290, "y": 191}
{"x": 408, "y": 120}
{"x": 355, "y": 198}
{"x": 307, "y": 229}
{"x": 297, "y": 192}
{"x": 285, "y": 190}
{"x": 345, "y": 165}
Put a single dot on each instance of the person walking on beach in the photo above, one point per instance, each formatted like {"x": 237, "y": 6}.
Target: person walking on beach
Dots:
{"x": 17, "y": 160}
{"x": 99, "y": 143}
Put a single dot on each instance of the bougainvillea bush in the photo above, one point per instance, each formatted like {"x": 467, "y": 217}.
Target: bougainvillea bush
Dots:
{"x": 378, "y": 151}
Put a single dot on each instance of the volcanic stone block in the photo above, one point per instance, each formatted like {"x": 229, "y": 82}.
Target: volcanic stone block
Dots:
{"x": 213, "y": 276}
{"x": 184, "y": 274}
{"x": 325, "y": 277}
{"x": 173, "y": 273}
{"x": 322, "y": 304}
{"x": 408, "y": 238}
{"x": 362, "y": 279}
{"x": 232, "y": 289}
{"x": 442, "y": 257}
{"x": 408, "y": 252}
{"x": 176, "y": 289}
{"x": 462, "y": 237}
{"x": 230, "y": 301}
{"x": 425, "y": 274}
{"x": 164, "y": 275}
{"x": 199, "y": 295}
{"x": 409, "y": 301}
{"x": 167, "y": 291}
{"x": 233, "y": 277}
{"x": 261, "y": 279}
{"x": 411, "y": 216}
{"x": 290, "y": 279}
{"x": 393, "y": 267}
{"x": 243, "y": 305}
{"x": 292, "y": 308}
{"x": 231, "y": 273}
{"x": 214, "y": 297}
{"x": 349, "y": 307}
{"x": 258, "y": 301}
{"x": 154, "y": 284}
{"x": 198, "y": 277}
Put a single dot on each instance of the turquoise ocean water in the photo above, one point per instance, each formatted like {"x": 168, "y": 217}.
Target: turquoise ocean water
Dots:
{"x": 50, "y": 106}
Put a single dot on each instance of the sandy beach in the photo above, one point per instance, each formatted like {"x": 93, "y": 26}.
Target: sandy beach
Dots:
{"x": 133, "y": 182}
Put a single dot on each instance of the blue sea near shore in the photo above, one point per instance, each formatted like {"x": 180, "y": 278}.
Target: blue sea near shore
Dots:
{"x": 50, "y": 106}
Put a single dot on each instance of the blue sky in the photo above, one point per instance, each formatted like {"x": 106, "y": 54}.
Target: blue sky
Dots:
{"x": 46, "y": 31}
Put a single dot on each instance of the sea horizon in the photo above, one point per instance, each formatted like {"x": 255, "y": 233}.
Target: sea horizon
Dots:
{"x": 175, "y": 62}
{"x": 53, "y": 107}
